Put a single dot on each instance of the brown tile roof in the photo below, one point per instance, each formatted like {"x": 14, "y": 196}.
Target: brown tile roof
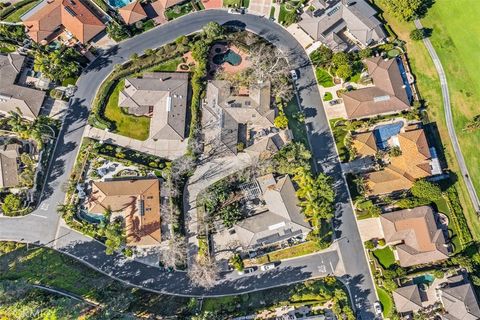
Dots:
{"x": 387, "y": 96}
{"x": 415, "y": 235}
{"x": 459, "y": 299}
{"x": 132, "y": 12}
{"x": 51, "y": 15}
{"x": 160, "y": 6}
{"x": 365, "y": 144}
{"x": 137, "y": 200}
{"x": 14, "y": 97}
{"x": 403, "y": 170}
{"x": 407, "y": 299}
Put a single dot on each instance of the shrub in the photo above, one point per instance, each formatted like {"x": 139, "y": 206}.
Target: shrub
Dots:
{"x": 381, "y": 242}
{"x": 11, "y": 205}
{"x": 439, "y": 274}
{"x": 370, "y": 245}
{"x": 237, "y": 262}
{"x": 417, "y": 34}
{"x": 424, "y": 189}
{"x": 281, "y": 121}
{"x": 344, "y": 71}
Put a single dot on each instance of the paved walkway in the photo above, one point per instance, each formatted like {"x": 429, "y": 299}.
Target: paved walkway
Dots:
{"x": 449, "y": 118}
{"x": 169, "y": 149}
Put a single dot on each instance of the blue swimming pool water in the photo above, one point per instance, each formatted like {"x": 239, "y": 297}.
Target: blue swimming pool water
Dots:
{"x": 91, "y": 218}
{"x": 384, "y": 132}
{"x": 119, "y": 3}
{"x": 426, "y": 279}
{"x": 408, "y": 89}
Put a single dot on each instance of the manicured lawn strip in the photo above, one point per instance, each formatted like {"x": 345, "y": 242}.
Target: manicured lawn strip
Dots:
{"x": 291, "y": 252}
{"x": 126, "y": 124}
{"x": 68, "y": 81}
{"x": 298, "y": 127}
{"x": 323, "y": 77}
{"x": 15, "y": 15}
{"x": 286, "y": 17}
{"x": 339, "y": 134}
{"x": 327, "y": 96}
{"x": 232, "y": 3}
{"x": 386, "y": 301}
{"x": 429, "y": 87}
{"x": 272, "y": 12}
{"x": 385, "y": 257}
{"x": 169, "y": 66}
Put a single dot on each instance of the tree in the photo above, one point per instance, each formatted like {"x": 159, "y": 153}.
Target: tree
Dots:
{"x": 134, "y": 56}
{"x": 417, "y": 34}
{"x": 369, "y": 245}
{"x": 322, "y": 56}
{"x": 281, "y": 121}
{"x": 11, "y": 205}
{"x": 117, "y": 32}
{"x": 230, "y": 214}
{"x": 474, "y": 124}
{"x": 439, "y": 274}
{"x": 365, "y": 53}
{"x": 476, "y": 280}
{"x": 344, "y": 71}
{"x": 114, "y": 237}
{"x": 57, "y": 65}
{"x": 290, "y": 157}
{"x": 395, "y": 151}
{"x": 405, "y": 10}
{"x": 340, "y": 58}
{"x": 175, "y": 253}
{"x": 426, "y": 190}
{"x": 237, "y": 262}
{"x": 203, "y": 273}
{"x": 367, "y": 207}
{"x": 213, "y": 30}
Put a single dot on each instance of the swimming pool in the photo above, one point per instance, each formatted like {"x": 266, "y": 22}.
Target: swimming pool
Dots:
{"x": 229, "y": 56}
{"x": 118, "y": 3}
{"x": 90, "y": 217}
{"x": 408, "y": 89}
{"x": 425, "y": 279}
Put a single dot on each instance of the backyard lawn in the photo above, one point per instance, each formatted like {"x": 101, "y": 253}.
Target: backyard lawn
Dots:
{"x": 386, "y": 301}
{"x": 126, "y": 124}
{"x": 459, "y": 55}
{"x": 323, "y": 77}
{"x": 385, "y": 257}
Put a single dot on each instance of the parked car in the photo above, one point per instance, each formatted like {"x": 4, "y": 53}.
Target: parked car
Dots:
{"x": 294, "y": 74}
{"x": 236, "y": 11}
{"x": 247, "y": 271}
{"x": 334, "y": 102}
{"x": 378, "y": 308}
{"x": 268, "y": 266}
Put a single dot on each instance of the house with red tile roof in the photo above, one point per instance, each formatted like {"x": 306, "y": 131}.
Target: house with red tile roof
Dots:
{"x": 132, "y": 12}
{"x": 50, "y": 18}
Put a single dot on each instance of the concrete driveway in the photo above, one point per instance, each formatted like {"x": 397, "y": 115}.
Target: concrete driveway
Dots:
{"x": 302, "y": 37}
{"x": 260, "y": 7}
{"x": 370, "y": 228}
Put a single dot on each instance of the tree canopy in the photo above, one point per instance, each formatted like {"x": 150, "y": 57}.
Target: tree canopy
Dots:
{"x": 57, "y": 65}
{"x": 426, "y": 190}
{"x": 405, "y": 10}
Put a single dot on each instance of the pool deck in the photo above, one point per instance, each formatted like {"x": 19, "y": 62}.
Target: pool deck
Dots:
{"x": 227, "y": 67}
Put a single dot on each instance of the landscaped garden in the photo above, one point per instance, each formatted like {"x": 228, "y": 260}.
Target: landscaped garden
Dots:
{"x": 340, "y": 131}
{"x": 178, "y": 10}
{"x": 296, "y": 121}
{"x": 385, "y": 257}
{"x": 324, "y": 78}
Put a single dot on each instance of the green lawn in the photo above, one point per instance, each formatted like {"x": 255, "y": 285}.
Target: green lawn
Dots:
{"x": 386, "y": 301}
{"x": 126, "y": 124}
{"x": 169, "y": 66}
{"x": 327, "y": 96}
{"x": 292, "y": 252}
{"x": 15, "y": 15}
{"x": 385, "y": 257}
{"x": 323, "y": 77}
{"x": 294, "y": 122}
{"x": 68, "y": 81}
{"x": 451, "y": 37}
{"x": 232, "y": 3}
{"x": 339, "y": 133}
{"x": 272, "y": 12}
{"x": 178, "y": 11}
{"x": 286, "y": 17}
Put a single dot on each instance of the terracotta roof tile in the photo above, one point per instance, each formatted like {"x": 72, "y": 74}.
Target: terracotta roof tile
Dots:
{"x": 132, "y": 12}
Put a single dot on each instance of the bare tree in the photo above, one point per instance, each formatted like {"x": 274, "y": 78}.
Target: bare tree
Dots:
{"x": 175, "y": 253}
{"x": 204, "y": 273}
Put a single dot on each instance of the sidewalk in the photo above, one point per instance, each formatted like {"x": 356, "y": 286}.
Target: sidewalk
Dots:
{"x": 169, "y": 149}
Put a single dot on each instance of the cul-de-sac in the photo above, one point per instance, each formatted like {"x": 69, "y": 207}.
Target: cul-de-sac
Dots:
{"x": 239, "y": 159}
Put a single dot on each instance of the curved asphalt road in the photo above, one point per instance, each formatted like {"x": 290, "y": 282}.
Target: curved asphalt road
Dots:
{"x": 449, "y": 119}
{"x": 44, "y": 227}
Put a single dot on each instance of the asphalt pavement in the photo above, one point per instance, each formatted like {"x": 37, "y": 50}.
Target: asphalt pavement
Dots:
{"x": 44, "y": 227}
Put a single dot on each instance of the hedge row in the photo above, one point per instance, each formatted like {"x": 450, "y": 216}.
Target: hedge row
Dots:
{"x": 458, "y": 217}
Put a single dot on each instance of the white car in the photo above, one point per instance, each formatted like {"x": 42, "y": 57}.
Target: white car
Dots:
{"x": 294, "y": 75}
{"x": 246, "y": 271}
{"x": 234, "y": 11}
{"x": 378, "y": 308}
{"x": 268, "y": 266}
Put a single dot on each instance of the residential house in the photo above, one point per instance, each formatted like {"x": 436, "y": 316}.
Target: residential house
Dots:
{"x": 132, "y": 12}
{"x": 9, "y": 157}
{"x": 62, "y": 18}
{"x": 337, "y": 23}
{"x": 459, "y": 300}
{"x": 390, "y": 94}
{"x": 414, "y": 162}
{"x": 14, "y": 97}
{"x": 137, "y": 201}
{"x": 415, "y": 235}
{"x": 281, "y": 218}
{"x": 164, "y": 96}
{"x": 408, "y": 299}
{"x": 242, "y": 119}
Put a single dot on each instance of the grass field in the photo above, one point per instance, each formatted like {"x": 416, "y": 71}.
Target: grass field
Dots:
{"x": 445, "y": 38}
{"x": 298, "y": 127}
{"x": 323, "y": 77}
{"x": 386, "y": 301}
{"x": 385, "y": 257}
